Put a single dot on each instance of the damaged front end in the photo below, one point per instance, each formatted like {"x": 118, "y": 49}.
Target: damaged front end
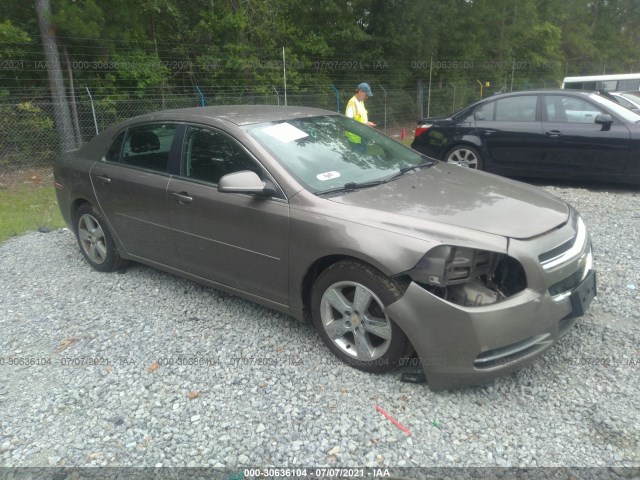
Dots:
{"x": 469, "y": 277}
{"x": 474, "y": 314}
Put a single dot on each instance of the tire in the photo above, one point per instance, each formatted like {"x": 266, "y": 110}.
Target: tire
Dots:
{"x": 361, "y": 336}
{"x": 465, "y": 156}
{"x": 95, "y": 241}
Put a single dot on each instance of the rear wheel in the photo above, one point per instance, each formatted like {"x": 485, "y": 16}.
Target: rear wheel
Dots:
{"x": 348, "y": 304}
{"x": 465, "y": 156}
{"x": 95, "y": 240}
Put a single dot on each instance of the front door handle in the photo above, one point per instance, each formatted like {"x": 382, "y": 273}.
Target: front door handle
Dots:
{"x": 103, "y": 179}
{"x": 553, "y": 133}
{"x": 488, "y": 131}
{"x": 182, "y": 197}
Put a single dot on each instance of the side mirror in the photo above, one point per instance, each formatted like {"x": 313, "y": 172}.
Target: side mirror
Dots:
{"x": 604, "y": 119}
{"x": 244, "y": 181}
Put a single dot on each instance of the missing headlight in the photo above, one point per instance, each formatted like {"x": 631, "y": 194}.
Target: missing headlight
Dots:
{"x": 472, "y": 294}
{"x": 469, "y": 277}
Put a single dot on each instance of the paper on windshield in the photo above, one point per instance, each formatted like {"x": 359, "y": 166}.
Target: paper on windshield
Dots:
{"x": 285, "y": 132}
{"x": 323, "y": 177}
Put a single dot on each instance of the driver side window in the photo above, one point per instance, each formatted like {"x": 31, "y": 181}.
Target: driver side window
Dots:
{"x": 208, "y": 155}
{"x": 564, "y": 109}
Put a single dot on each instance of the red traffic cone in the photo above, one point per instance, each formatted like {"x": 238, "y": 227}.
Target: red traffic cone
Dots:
{"x": 403, "y": 135}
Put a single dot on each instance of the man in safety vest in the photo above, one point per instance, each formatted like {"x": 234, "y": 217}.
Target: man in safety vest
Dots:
{"x": 357, "y": 111}
{"x": 355, "y": 107}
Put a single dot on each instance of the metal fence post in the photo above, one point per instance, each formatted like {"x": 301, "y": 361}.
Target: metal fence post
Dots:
{"x": 429, "y": 100}
{"x": 337, "y": 97}
{"x": 453, "y": 107}
{"x": 93, "y": 110}
{"x": 420, "y": 99}
{"x": 277, "y": 94}
{"x": 201, "y": 95}
{"x": 385, "y": 108}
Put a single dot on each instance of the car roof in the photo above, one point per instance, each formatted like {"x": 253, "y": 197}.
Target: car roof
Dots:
{"x": 236, "y": 114}
{"x": 635, "y": 93}
{"x": 498, "y": 95}
{"x": 545, "y": 92}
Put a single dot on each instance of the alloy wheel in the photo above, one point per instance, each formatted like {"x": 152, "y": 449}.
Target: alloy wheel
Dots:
{"x": 92, "y": 238}
{"x": 353, "y": 317}
{"x": 464, "y": 158}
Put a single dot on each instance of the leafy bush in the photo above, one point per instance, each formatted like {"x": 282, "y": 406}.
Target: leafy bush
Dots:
{"x": 27, "y": 136}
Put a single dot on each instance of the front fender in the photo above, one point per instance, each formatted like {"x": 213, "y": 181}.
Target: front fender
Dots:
{"x": 382, "y": 243}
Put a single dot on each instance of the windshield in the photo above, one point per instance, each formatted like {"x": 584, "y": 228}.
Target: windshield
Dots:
{"x": 328, "y": 152}
{"x": 633, "y": 97}
{"x": 623, "y": 112}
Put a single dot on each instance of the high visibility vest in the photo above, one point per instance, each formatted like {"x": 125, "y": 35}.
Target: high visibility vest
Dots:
{"x": 359, "y": 114}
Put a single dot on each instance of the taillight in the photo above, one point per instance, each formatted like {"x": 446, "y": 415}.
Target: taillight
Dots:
{"x": 420, "y": 129}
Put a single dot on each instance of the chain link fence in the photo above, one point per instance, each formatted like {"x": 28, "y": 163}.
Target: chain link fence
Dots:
{"x": 29, "y": 138}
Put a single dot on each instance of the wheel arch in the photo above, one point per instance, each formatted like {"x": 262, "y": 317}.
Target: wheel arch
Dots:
{"x": 74, "y": 207}
{"x": 82, "y": 200}
{"x": 385, "y": 291}
{"x": 321, "y": 264}
{"x": 469, "y": 141}
{"x": 97, "y": 244}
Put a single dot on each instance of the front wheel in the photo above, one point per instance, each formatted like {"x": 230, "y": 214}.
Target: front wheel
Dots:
{"x": 465, "y": 156}
{"x": 348, "y": 304}
{"x": 95, "y": 240}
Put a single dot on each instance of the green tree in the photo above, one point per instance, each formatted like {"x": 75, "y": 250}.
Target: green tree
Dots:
{"x": 54, "y": 72}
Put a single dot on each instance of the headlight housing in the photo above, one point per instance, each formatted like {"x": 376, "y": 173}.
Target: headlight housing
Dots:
{"x": 468, "y": 276}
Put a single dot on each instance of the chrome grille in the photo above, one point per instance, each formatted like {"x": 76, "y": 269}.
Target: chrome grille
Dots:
{"x": 567, "y": 250}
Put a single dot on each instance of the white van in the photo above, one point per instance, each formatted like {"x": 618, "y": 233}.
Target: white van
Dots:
{"x": 611, "y": 83}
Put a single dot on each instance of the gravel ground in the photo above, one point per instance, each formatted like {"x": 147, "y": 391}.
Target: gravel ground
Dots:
{"x": 147, "y": 369}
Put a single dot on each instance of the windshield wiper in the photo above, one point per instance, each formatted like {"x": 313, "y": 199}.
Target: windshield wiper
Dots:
{"x": 351, "y": 186}
{"x": 403, "y": 170}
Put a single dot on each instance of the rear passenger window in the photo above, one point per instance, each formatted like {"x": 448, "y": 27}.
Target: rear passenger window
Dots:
{"x": 517, "y": 109}
{"x": 514, "y": 109}
{"x": 485, "y": 112}
{"x": 148, "y": 146}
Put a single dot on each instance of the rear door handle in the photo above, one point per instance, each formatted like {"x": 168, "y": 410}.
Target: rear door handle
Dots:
{"x": 103, "y": 179}
{"x": 182, "y": 197}
{"x": 553, "y": 133}
{"x": 488, "y": 131}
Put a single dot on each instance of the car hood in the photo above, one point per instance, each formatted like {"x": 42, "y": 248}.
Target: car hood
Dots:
{"x": 465, "y": 198}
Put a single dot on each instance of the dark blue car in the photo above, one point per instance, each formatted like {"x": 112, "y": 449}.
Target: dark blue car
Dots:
{"x": 557, "y": 134}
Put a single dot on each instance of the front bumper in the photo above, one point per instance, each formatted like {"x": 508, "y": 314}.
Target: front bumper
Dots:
{"x": 460, "y": 346}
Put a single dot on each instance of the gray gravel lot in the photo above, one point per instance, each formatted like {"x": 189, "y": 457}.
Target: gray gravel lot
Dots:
{"x": 147, "y": 369}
